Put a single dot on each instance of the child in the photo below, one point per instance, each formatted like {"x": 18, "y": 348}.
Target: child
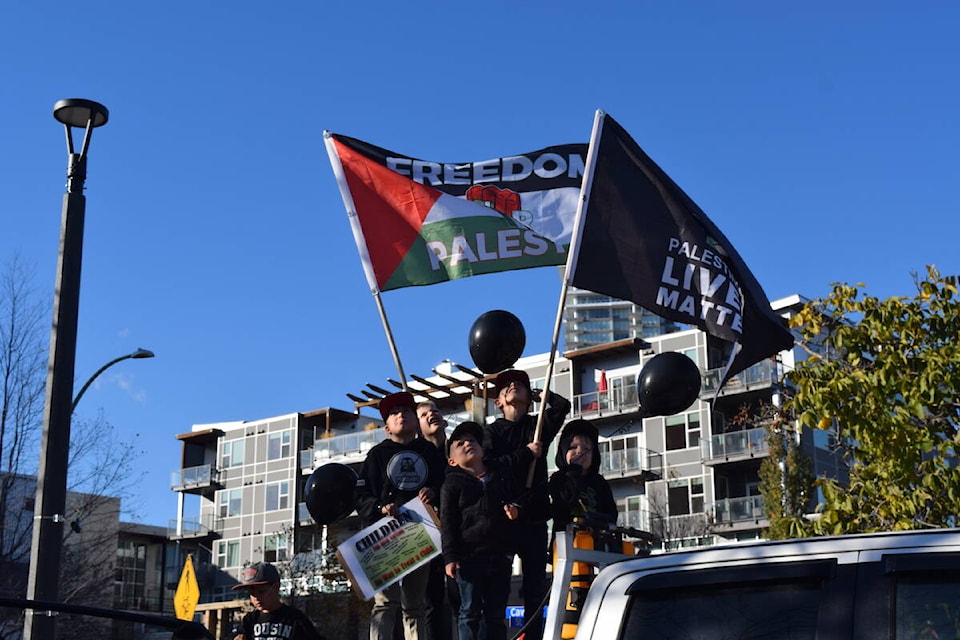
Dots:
{"x": 510, "y": 442}
{"x": 270, "y": 618}
{"x": 576, "y": 487}
{"x": 396, "y": 471}
{"x": 476, "y": 507}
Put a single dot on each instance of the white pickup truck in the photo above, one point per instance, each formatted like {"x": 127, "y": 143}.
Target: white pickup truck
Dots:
{"x": 896, "y": 586}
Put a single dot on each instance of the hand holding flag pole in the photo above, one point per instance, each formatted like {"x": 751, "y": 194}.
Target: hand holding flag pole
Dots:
{"x": 571, "y": 257}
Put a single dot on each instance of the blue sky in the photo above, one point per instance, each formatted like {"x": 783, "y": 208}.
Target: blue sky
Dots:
{"x": 821, "y": 140}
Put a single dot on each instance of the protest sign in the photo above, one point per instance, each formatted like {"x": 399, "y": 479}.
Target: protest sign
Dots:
{"x": 389, "y": 549}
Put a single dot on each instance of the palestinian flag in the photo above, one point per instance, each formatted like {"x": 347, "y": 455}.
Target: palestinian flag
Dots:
{"x": 418, "y": 222}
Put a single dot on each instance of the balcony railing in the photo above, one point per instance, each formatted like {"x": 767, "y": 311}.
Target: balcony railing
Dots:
{"x": 597, "y": 404}
{"x": 762, "y": 374}
{"x": 631, "y": 461}
{"x": 348, "y": 448}
{"x": 205, "y": 475}
{"x": 734, "y": 510}
{"x": 196, "y": 527}
{"x": 306, "y": 460}
{"x": 734, "y": 444}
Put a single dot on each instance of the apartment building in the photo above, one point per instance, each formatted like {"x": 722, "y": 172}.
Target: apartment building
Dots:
{"x": 591, "y": 319}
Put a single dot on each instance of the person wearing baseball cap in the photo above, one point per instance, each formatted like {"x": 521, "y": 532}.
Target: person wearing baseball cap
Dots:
{"x": 270, "y": 618}
{"x": 477, "y": 506}
{"x": 510, "y": 442}
{"x": 402, "y": 468}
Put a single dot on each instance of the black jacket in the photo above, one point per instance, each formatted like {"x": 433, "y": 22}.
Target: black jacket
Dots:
{"x": 574, "y": 493}
{"x": 395, "y": 472}
{"x": 505, "y": 445}
{"x": 472, "y": 519}
{"x": 577, "y": 492}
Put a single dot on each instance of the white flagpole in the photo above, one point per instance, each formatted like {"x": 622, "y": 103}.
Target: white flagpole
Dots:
{"x": 572, "y": 254}
{"x": 362, "y": 249}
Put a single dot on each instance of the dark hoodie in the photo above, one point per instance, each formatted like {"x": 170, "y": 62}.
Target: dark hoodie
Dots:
{"x": 575, "y": 492}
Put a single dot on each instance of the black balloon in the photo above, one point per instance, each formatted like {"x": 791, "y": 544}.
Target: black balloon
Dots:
{"x": 668, "y": 384}
{"x": 330, "y": 492}
{"x": 497, "y": 340}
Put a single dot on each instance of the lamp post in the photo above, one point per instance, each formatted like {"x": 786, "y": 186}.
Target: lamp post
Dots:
{"x": 136, "y": 355}
{"x": 44, "y": 577}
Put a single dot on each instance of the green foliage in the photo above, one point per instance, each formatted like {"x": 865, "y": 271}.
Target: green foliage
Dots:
{"x": 786, "y": 479}
{"x": 887, "y": 374}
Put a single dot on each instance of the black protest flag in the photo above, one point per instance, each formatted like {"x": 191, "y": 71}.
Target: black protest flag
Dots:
{"x": 643, "y": 239}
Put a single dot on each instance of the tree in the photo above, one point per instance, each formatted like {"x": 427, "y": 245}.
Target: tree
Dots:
{"x": 101, "y": 470}
{"x": 786, "y": 479}
{"x": 886, "y": 375}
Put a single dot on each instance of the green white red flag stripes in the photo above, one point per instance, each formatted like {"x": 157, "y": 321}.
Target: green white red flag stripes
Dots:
{"x": 419, "y": 222}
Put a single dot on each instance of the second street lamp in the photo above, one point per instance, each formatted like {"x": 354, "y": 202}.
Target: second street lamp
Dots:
{"x": 139, "y": 353}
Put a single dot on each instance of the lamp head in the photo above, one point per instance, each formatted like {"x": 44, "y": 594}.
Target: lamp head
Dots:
{"x": 77, "y": 112}
{"x": 142, "y": 353}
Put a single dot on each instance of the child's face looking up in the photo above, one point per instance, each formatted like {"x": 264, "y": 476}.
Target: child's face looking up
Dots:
{"x": 465, "y": 452}
{"x": 580, "y": 452}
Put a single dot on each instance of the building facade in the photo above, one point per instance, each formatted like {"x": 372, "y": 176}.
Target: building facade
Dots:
{"x": 591, "y": 319}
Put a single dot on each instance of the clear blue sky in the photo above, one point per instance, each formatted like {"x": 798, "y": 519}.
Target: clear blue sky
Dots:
{"x": 822, "y": 140}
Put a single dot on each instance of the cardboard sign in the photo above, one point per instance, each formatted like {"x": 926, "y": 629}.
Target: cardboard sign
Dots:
{"x": 389, "y": 549}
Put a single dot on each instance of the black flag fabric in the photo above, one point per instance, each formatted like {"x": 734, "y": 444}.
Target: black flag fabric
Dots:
{"x": 644, "y": 240}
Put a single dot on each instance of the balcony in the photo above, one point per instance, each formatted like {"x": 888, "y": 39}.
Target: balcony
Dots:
{"x": 306, "y": 460}
{"x": 734, "y": 511}
{"x": 760, "y": 376}
{"x": 631, "y": 461}
{"x": 346, "y": 449}
{"x": 734, "y": 446}
{"x": 612, "y": 402}
{"x": 193, "y": 528}
{"x": 202, "y": 479}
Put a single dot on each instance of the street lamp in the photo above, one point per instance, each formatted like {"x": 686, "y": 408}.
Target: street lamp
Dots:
{"x": 136, "y": 355}
{"x": 44, "y": 577}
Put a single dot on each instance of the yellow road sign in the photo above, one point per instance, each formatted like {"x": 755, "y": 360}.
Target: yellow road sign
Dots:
{"x": 188, "y": 592}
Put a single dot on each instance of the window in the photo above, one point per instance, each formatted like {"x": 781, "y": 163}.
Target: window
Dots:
{"x": 630, "y": 513}
{"x": 685, "y": 496}
{"x": 696, "y": 606}
{"x": 926, "y": 604}
{"x": 676, "y": 432}
{"x": 275, "y": 548}
{"x": 682, "y": 430}
{"x": 228, "y": 553}
{"x": 130, "y": 575}
{"x": 278, "y": 445}
{"x": 232, "y": 454}
{"x": 228, "y": 503}
{"x": 278, "y": 496}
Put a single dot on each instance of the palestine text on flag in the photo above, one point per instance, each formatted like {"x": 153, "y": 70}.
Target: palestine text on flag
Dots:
{"x": 643, "y": 239}
{"x": 418, "y": 222}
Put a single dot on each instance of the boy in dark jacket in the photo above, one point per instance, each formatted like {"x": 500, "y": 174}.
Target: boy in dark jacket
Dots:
{"x": 396, "y": 471}
{"x": 477, "y": 505}
{"x": 509, "y": 441}
{"x": 576, "y": 487}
